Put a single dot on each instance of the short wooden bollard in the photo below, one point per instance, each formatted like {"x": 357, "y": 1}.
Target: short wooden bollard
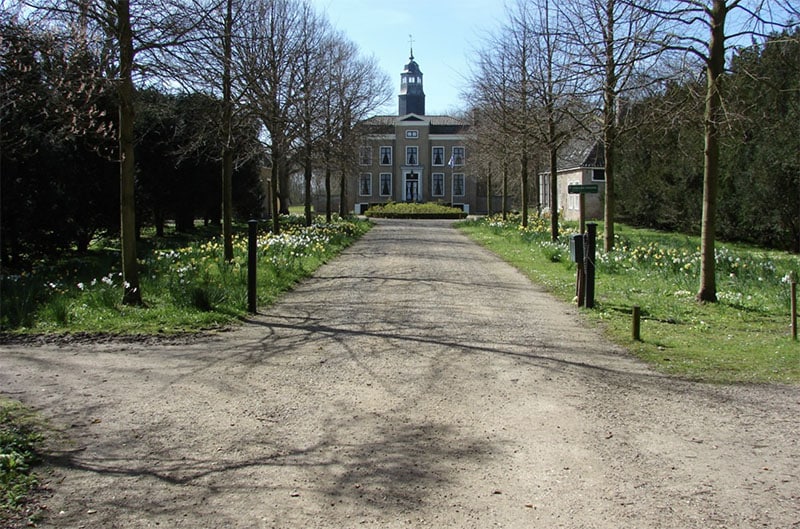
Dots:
{"x": 252, "y": 248}
{"x": 636, "y": 323}
{"x": 794, "y": 310}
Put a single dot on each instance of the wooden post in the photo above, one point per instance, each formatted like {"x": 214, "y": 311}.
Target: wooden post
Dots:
{"x": 251, "y": 266}
{"x": 589, "y": 265}
{"x": 636, "y": 324}
{"x": 580, "y": 287}
{"x": 794, "y": 310}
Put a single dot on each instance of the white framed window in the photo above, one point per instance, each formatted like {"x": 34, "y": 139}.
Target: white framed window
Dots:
{"x": 544, "y": 190}
{"x": 437, "y": 156}
{"x": 437, "y": 184}
{"x": 386, "y": 155}
{"x": 458, "y": 184}
{"x": 365, "y": 155}
{"x": 365, "y": 185}
{"x": 386, "y": 185}
{"x": 573, "y": 199}
{"x": 457, "y": 157}
{"x": 412, "y": 133}
{"x": 412, "y": 155}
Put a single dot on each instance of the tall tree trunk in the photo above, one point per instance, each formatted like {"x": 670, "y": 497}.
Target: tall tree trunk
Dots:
{"x": 158, "y": 218}
{"x": 505, "y": 187}
{"x": 276, "y": 215}
{"x": 343, "y": 194}
{"x": 536, "y": 192}
{"x": 307, "y": 174}
{"x": 132, "y": 294}
{"x": 326, "y": 155}
{"x": 227, "y": 147}
{"x": 524, "y": 184}
{"x": 714, "y": 69}
{"x": 283, "y": 185}
{"x": 328, "y": 192}
{"x": 489, "y": 190}
{"x": 609, "y": 128}
{"x": 553, "y": 189}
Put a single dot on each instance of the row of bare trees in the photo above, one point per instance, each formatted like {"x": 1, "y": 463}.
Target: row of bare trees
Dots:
{"x": 276, "y": 61}
{"x": 559, "y": 70}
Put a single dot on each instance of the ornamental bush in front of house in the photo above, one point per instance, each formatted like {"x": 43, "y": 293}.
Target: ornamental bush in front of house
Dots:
{"x": 413, "y": 210}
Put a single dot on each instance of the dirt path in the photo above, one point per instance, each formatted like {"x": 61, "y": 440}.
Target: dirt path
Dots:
{"x": 417, "y": 381}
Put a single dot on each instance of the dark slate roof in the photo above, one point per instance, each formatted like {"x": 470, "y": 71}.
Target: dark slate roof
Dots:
{"x": 412, "y": 66}
{"x": 581, "y": 153}
{"x": 379, "y": 120}
{"x": 438, "y": 124}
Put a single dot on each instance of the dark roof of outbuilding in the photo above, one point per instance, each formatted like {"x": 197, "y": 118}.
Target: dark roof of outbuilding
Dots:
{"x": 581, "y": 153}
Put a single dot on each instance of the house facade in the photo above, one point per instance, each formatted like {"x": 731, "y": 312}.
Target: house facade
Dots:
{"x": 580, "y": 163}
{"x": 413, "y": 157}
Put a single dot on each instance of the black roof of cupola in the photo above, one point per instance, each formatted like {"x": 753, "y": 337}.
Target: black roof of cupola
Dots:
{"x": 412, "y": 98}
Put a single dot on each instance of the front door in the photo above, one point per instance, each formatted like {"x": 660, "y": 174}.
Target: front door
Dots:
{"x": 412, "y": 187}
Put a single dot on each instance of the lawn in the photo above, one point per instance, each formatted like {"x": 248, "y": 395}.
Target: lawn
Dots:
{"x": 186, "y": 284}
{"x": 743, "y": 338}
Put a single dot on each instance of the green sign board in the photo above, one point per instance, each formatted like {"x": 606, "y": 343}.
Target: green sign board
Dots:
{"x": 582, "y": 189}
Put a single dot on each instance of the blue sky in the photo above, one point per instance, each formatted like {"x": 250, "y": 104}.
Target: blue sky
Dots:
{"x": 445, "y": 33}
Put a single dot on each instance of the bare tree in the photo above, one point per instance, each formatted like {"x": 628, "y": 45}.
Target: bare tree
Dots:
{"x": 129, "y": 36}
{"x": 336, "y": 52}
{"x": 267, "y": 57}
{"x": 227, "y": 131}
{"x": 615, "y": 39}
{"x": 314, "y": 33}
{"x": 505, "y": 92}
{"x": 706, "y": 29}
{"x": 206, "y": 63}
{"x": 555, "y": 89}
{"x": 355, "y": 88}
{"x": 520, "y": 47}
{"x": 490, "y": 89}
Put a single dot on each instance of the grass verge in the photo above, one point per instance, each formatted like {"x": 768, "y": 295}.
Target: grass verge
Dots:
{"x": 743, "y": 338}
{"x": 20, "y": 439}
{"x": 186, "y": 284}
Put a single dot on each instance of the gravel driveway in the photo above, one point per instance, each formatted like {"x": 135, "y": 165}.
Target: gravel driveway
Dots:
{"x": 416, "y": 381}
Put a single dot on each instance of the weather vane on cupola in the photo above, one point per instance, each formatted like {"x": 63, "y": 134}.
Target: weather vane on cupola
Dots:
{"x": 411, "y": 47}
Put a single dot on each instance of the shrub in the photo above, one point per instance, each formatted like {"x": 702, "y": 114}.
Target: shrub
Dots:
{"x": 427, "y": 210}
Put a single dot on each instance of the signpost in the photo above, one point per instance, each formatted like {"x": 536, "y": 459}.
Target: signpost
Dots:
{"x": 576, "y": 189}
{"x": 585, "y": 280}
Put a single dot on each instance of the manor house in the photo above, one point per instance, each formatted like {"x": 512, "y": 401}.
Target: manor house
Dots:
{"x": 413, "y": 157}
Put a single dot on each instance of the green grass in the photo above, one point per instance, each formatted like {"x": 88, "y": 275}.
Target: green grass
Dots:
{"x": 744, "y": 338}
{"x": 20, "y": 440}
{"x": 186, "y": 284}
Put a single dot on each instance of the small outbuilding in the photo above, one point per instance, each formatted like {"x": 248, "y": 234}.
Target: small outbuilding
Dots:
{"x": 580, "y": 162}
